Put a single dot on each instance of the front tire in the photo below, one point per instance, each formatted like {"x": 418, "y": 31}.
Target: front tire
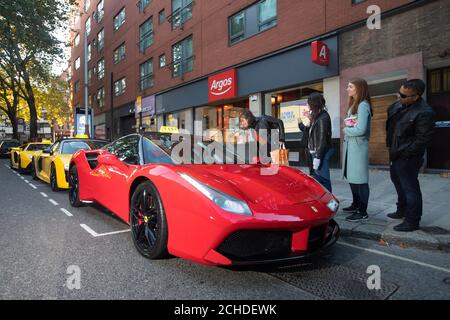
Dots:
{"x": 74, "y": 188}
{"x": 148, "y": 222}
{"x": 53, "y": 179}
{"x": 33, "y": 171}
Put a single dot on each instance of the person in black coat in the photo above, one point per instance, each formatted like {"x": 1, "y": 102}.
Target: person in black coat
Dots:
{"x": 263, "y": 127}
{"x": 409, "y": 128}
{"x": 318, "y": 135}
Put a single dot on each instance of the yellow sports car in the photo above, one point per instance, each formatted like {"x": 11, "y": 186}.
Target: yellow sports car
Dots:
{"x": 22, "y": 156}
{"x": 52, "y": 164}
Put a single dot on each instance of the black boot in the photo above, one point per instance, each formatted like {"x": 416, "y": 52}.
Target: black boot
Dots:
{"x": 351, "y": 208}
{"x": 406, "y": 226}
{"x": 396, "y": 215}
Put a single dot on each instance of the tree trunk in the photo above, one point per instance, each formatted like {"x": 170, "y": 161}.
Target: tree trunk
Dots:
{"x": 13, "y": 120}
{"x": 31, "y": 104}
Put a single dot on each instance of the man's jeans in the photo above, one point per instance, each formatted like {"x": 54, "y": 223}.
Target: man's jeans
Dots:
{"x": 404, "y": 175}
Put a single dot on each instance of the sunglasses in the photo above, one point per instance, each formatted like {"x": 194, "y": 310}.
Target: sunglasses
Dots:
{"x": 404, "y": 96}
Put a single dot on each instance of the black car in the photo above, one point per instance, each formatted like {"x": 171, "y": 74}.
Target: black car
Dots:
{"x": 6, "y": 145}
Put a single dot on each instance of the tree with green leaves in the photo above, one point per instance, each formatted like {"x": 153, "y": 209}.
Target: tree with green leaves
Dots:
{"x": 28, "y": 43}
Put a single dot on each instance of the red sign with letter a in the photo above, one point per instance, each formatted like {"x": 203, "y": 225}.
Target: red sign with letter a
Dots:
{"x": 222, "y": 86}
{"x": 320, "y": 53}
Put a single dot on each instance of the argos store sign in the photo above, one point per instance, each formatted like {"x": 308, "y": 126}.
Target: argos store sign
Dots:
{"x": 222, "y": 86}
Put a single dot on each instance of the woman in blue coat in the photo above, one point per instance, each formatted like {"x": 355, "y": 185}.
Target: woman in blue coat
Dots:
{"x": 355, "y": 166}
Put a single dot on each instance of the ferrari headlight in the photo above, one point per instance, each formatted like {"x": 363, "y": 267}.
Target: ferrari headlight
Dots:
{"x": 333, "y": 205}
{"x": 224, "y": 201}
{"x": 66, "y": 167}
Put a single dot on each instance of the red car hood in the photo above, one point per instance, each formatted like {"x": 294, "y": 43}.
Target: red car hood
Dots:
{"x": 286, "y": 187}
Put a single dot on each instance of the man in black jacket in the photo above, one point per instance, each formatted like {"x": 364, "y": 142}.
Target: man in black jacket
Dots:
{"x": 408, "y": 131}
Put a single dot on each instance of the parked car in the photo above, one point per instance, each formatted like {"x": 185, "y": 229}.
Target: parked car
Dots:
{"x": 21, "y": 157}
{"x": 51, "y": 165}
{"x": 214, "y": 214}
{"x": 6, "y": 145}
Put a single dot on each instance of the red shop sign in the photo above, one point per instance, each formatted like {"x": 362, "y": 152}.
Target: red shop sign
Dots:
{"x": 320, "y": 53}
{"x": 222, "y": 86}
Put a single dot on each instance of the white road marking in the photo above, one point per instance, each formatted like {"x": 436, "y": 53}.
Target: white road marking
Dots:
{"x": 53, "y": 202}
{"x": 423, "y": 264}
{"x": 26, "y": 181}
{"x": 66, "y": 212}
{"x": 44, "y": 195}
{"x": 7, "y": 166}
{"x": 21, "y": 177}
{"x": 89, "y": 230}
{"x": 96, "y": 235}
{"x": 32, "y": 185}
{"x": 114, "y": 232}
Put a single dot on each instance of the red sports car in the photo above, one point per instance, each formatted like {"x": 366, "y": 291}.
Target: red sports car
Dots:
{"x": 214, "y": 214}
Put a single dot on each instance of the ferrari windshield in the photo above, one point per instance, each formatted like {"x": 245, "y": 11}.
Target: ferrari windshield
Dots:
{"x": 70, "y": 147}
{"x": 38, "y": 147}
{"x": 186, "y": 149}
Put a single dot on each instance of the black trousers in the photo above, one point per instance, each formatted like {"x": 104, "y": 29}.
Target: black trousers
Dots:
{"x": 360, "y": 194}
{"x": 404, "y": 175}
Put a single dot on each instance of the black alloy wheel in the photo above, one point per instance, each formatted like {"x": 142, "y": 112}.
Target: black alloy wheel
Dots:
{"x": 33, "y": 170}
{"x": 74, "y": 188}
{"x": 148, "y": 222}
{"x": 53, "y": 181}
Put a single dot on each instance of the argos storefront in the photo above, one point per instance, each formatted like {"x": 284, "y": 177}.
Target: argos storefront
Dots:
{"x": 214, "y": 103}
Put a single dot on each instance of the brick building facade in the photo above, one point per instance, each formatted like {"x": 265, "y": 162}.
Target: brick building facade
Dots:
{"x": 267, "y": 42}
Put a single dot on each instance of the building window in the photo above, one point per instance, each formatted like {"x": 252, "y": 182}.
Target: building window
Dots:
{"x": 100, "y": 11}
{"x": 142, "y": 4}
{"x": 77, "y": 40}
{"x": 77, "y": 63}
{"x": 237, "y": 27}
{"x": 146, "y": 34}
{"x": 182, "y": 57}
{"x": 162, "y": 61}
{"x": 119, "y": 53}
{"x": 101, "y": 97}
{"x": 181, "y": 12}
{"x": 248, "y": 22}
{"x": 101, "y": 40}
{"x": 161, "y": 16}
{"x": 87, "y": 4}
{"x": 119, "y": 87}
{"x": 267, "y": 17}
{"x": 88, "y": 26}
{"x": 77, "y": 86}
{"x": 90, "y": 101}
{"x": 146, "y": 75}
{"x": 101, "y": 69}
{"x": 119, "y": 19}
{"x": 89, "y": 52}
{"x": 357, "y": 1}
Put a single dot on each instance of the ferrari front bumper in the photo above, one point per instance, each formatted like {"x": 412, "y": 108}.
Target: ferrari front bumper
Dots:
{"x": 253, "y": 247}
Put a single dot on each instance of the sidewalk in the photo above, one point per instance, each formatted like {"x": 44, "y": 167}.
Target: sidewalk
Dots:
{"x": 435, "y": 224}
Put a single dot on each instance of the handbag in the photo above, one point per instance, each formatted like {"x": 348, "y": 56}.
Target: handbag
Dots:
{"x": 281, "y": 156}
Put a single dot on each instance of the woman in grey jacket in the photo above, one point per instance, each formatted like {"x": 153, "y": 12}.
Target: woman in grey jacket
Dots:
{"x": 356, "y": 148}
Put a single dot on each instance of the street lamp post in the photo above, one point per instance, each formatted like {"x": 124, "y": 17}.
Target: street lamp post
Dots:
{"x": 86, "y": 85}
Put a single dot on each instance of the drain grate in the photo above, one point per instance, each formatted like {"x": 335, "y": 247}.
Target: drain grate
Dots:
{"x": 435, "y": 230}
{"x": 331, "y": 281}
